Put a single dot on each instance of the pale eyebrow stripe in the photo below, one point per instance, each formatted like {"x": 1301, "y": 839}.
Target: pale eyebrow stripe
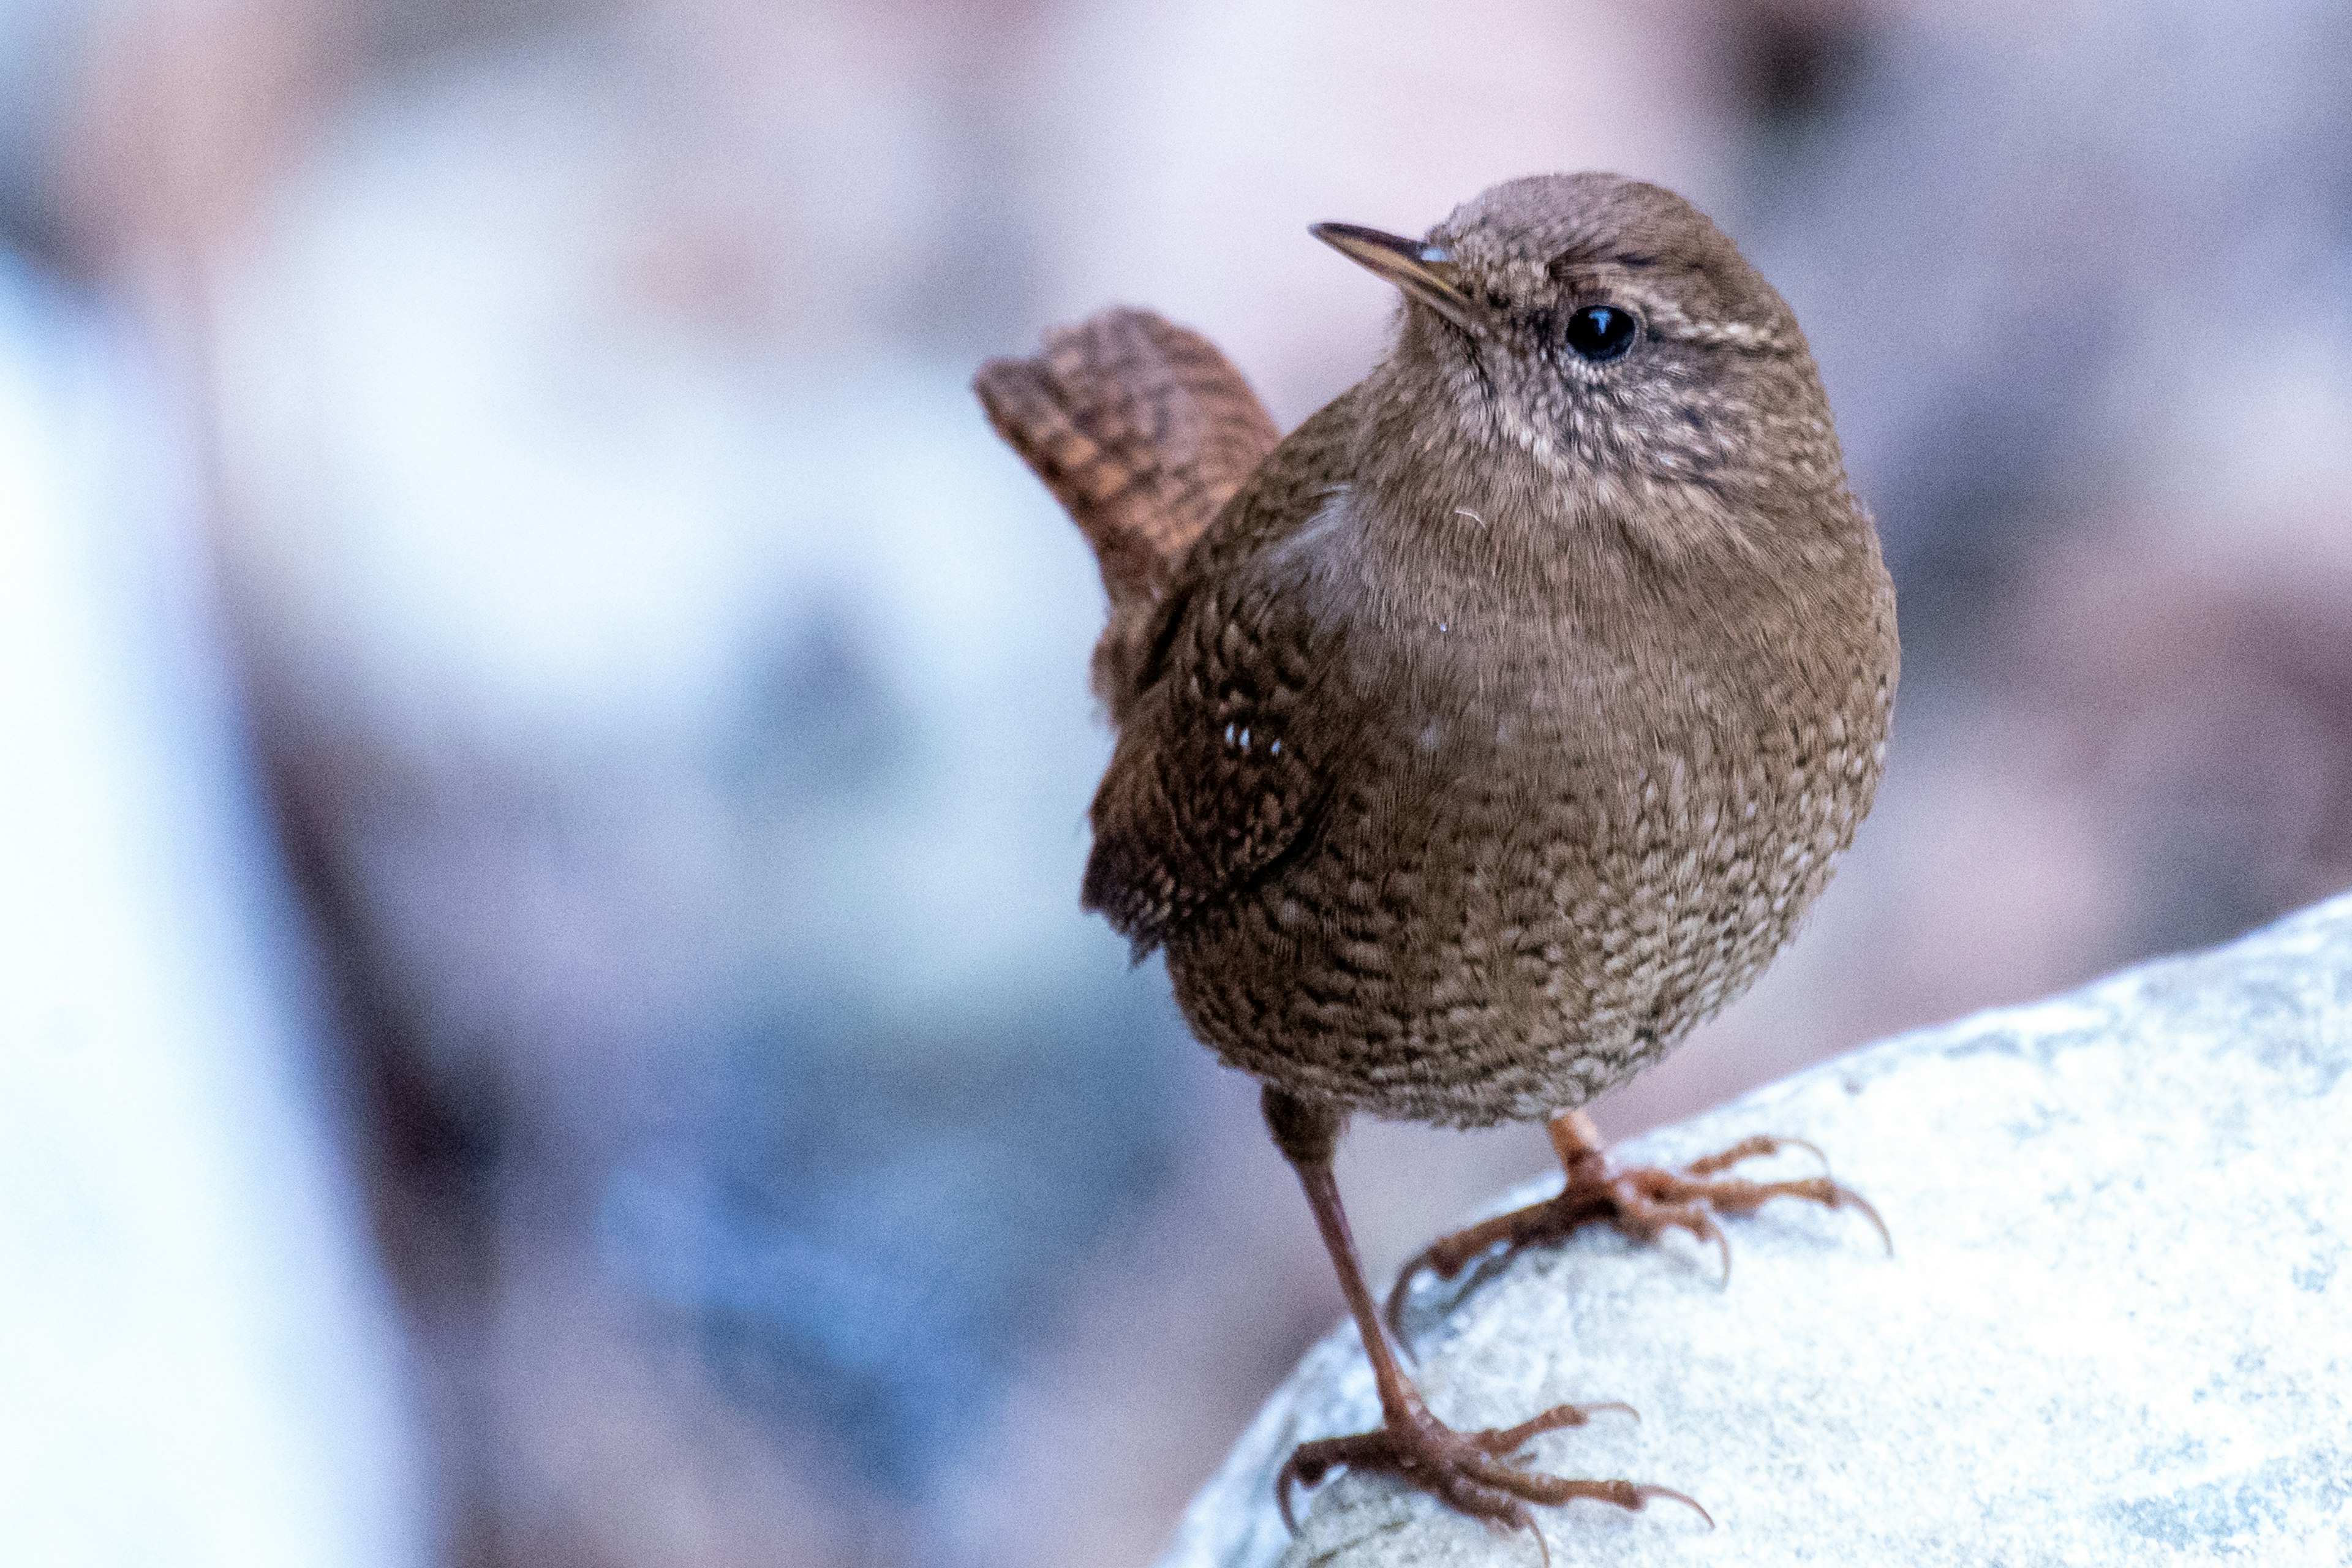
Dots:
{"x": 1623, "y": 280}
{"x": 1665, "y": 318}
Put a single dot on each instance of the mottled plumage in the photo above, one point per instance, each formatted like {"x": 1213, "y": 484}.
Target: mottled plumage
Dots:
{"x": 1503, "y": 725}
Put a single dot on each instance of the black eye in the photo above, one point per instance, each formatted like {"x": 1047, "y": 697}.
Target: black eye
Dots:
{"x": 1601, "y": 333}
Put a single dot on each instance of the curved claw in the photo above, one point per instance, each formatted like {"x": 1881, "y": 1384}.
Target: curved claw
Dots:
{"x": 1842, "y": 1196}
{"x": 1644, "y": 1493}
{"x": 1294, "y": 1475}
{"x": 1307, "y": 1470}
{"x": 1713, "y": 1233}
{"x": 1392, "y": 1310}
{"x": 1436, "y": 1258}
{"x": 1809, "y": 1147}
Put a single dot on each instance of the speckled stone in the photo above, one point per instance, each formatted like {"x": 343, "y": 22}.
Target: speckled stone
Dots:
{"x": 2117, "y": 1326}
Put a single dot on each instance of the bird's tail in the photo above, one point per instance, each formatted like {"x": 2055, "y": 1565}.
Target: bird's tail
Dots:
{"x": 1142, "y": 430}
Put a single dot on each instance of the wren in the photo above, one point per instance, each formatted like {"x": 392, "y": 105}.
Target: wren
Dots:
{"x": 1492, "y": 730}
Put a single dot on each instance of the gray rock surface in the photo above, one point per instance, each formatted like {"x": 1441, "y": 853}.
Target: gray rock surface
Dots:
{"x": 2116, "y": 1328}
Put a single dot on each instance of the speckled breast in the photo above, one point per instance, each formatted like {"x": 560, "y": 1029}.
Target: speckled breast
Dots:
{"x": 1514, "y": 900}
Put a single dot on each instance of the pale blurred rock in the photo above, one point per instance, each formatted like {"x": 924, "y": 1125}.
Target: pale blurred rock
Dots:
{"x": 2116, "y": 1329}
{"x": 199, "y": 1365}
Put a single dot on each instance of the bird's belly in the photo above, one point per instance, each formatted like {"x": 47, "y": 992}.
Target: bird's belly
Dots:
{"x": 1500, "y": 929}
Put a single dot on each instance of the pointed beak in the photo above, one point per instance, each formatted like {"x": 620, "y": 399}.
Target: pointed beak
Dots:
{"x": 1424, "y": 270}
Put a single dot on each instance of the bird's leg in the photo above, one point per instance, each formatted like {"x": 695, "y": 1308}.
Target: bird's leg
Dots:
{"x": 1470, "y": 1471}
{"x": 1641, "y": 1203}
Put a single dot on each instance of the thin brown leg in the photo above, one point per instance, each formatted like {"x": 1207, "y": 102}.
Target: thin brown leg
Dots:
{"x": 1641, "y": 1205}
{"x": 1467, "y": 1470}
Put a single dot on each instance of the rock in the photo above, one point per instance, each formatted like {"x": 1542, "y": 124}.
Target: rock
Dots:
{"x": 2116, "y": 1327}
{"x": 199, "y": 1365}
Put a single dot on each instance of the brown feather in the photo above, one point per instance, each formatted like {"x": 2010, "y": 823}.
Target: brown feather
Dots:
{"x": 1509, "y": 719}
{"x": 1220, "y": 770}
{"x": 1143, "y": 431}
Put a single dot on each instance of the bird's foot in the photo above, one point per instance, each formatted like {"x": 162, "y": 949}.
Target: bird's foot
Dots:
{"x": 1469, "y": 1471}
{"x": 1641, "y": 1205}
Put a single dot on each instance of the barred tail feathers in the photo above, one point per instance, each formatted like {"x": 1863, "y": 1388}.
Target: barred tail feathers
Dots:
{"x": 1143, "y": 431}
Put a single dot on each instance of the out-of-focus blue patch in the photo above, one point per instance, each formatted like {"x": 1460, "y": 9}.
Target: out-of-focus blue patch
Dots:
{"x": 862, "y": 1249}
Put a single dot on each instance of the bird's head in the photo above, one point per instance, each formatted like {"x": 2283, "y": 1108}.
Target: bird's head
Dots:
{"x": 1607, "y": 329}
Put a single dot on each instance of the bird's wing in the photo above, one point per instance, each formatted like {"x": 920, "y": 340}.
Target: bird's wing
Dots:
{"x": 1143, "y": 431}
{"x": 1217, "y": 773}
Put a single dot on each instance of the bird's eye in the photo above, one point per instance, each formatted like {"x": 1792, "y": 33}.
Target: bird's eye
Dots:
{"x": 1601, "y": 333}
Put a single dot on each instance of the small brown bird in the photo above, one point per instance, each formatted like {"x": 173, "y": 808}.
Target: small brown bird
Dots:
{"x": 1491, "y": 730}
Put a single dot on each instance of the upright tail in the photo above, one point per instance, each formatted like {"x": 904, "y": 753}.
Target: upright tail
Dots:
{"x": 1142, "y": 430}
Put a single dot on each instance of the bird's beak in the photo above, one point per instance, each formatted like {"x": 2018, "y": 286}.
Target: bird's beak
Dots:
{"x": 1423, "y": 270}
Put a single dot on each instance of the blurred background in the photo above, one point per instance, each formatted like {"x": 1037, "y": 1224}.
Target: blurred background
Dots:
{"x": 543, "y": 746}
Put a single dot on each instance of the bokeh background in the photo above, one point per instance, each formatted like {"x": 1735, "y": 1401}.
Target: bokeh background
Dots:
{"x": 543, "y": 747}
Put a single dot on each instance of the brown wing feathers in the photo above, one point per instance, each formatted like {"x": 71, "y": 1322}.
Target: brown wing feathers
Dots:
{"x": 1143, "y": 431}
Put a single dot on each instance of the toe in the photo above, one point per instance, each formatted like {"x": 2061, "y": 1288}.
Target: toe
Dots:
{"x": 1511, "y": 1439}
